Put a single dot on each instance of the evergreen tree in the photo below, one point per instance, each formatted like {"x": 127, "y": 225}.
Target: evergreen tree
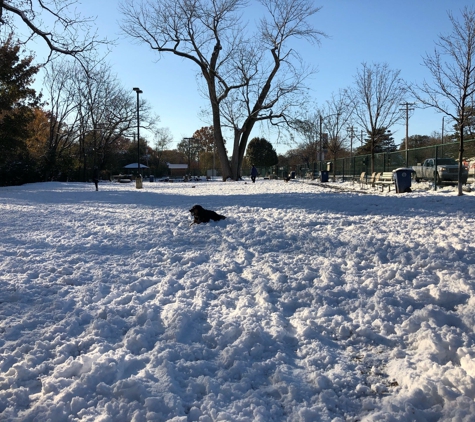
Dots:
{"x": 381, "y": 141}
{"x": 261, "y": 153}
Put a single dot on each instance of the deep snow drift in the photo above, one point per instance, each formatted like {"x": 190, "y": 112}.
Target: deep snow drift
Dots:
{"x": 306, "y": 304}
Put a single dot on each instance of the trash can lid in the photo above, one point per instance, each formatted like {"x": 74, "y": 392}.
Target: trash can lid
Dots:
{"x": 403, "y": 169}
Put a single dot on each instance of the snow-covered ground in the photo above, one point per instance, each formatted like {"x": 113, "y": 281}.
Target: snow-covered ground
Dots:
{"x": 308, "y": 303}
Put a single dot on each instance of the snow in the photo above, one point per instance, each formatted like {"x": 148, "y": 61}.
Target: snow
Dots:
{"x": 310, "y": 302}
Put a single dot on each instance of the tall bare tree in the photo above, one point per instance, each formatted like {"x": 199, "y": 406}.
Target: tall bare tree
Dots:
{"x": 248, "y": 77}
{"x": 56, "y": 22}
{"x": 452, "y": 67}
{"x": 324, "y": 130}
{"x": 162, "y": 139}
{"x": 89, "y": 109}
{"x": 308, "y": 129}
{"x": 62, "y": 112}
{"x": 376, "y": 97}
{"x": 108, "y": 110}
{"x": 335, "y": 117}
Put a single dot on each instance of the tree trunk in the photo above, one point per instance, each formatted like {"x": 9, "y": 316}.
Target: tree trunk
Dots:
{"x": 223, "y": 159}
{"x": 218, "y": 134}
{"x": 240, "y": 152}
{"x": 241, "y": 138}
{"x": 235, "y": 164}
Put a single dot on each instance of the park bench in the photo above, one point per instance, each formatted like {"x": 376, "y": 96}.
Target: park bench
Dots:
{"x": 384, "y": 179}
{"x": 122, "y": 178}
{"x": 367, "y": 181}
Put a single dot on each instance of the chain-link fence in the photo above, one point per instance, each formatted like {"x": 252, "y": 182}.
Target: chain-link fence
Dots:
{"x": 351, "y": 167}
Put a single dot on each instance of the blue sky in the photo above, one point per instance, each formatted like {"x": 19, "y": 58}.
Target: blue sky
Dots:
{"x": 398, "y": 32}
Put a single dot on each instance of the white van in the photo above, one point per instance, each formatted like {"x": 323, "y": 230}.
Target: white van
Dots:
{"x": 470, "y": 164}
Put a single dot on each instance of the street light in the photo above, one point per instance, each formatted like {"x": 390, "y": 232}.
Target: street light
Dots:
{"x": 138, "y": 91}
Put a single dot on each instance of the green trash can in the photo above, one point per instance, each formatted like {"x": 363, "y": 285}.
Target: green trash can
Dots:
{"x": 324, "y": 176}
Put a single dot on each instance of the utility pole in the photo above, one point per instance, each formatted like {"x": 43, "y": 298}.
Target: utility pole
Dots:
{"x": 407, "y": 109}
{"x": 351, "y": 130}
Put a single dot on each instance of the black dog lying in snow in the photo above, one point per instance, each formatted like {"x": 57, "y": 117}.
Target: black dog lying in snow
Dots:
{"x": 202, "y": 215}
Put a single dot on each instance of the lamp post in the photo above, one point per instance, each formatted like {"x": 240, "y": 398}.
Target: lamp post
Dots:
{"x": 138, "y": 91}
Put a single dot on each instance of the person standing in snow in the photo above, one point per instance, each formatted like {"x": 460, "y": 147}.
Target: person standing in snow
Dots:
{"x": 95, "y": 177}
{"x": 254, "y": 173}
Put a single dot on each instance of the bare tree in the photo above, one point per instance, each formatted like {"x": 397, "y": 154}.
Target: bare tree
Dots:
{"x": 452, "y": 67}
{"x": 324, "y": 130}
{"x": 108, "y": 110}
{"x": 335, "y": 116}
{"x": 88, "y": 108}
{"x": 247, "y": 77}
{"x": 163, "y": 138}
{"x": 308, "y": 129}
{"x": 376, "y": 97}
{"x": 63, "y": 115}
{"x": 56, "y": 22}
